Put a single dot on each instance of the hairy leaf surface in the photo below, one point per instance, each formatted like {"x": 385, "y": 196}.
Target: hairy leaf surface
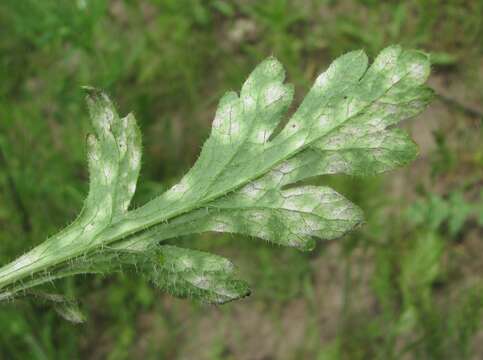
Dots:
{"x": 246, "y": 180}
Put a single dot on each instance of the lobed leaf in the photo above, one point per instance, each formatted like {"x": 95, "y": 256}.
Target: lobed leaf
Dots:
{"x": 181, "y": 272}
{"x": 197, "y": 275}
{"x": 114, "y": 155}
{"x": 342, "y": 126}
{"x": 245, "y": 181}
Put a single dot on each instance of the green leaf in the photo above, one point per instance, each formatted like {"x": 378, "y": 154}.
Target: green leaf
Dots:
{"x": 245, "y": 181}
{"x": 114, "y": 160}
{"x": 342, "y": 126}
{"x": 114, "y": 155}
{"x": 181, "y": 272}
{"x": 70, "y": 311}
{"x": 291, "y": 217}
{"x": 197, "y": 275}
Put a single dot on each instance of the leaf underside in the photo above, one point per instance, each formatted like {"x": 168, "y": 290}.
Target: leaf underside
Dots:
{"x": 246, "y": 180}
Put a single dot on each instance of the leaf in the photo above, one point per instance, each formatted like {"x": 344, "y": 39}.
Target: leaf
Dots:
{"x": 197, "y": 275}
{"x": 291, "y": 217}
{"x": 181, "y": 272}
{"x": 114, "y": 160}
{"x": 114, "y": 155}
{"x": 344, "y": 101}
{"x": 70, "y": 311}
{"x": 245, "y": 181}
{"x": 343, "y": 126}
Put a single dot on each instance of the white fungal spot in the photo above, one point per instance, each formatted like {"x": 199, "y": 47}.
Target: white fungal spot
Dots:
{"x": 291, "y": 204}
{"x": 24, "y": 261}
{"x": 250, "y": 190}
{"x": 94, "y": 156}
{"x": 89, "y": 227}
{"x": 135, "y": 159}
{"x": 391, "y": 109}
{"x": 249, "y": 103}
{"x": 225, "y": 115}
{"x": 272, "y": 67}
{"x": 273, "y": 93}
{"x": 125, "y": 122}
{"x": 321, "y": 80}
{"x": 106, "y": 119}
{"x": 323, "y": 120}
{"x": 387, "y": 59}
{"x": 109, "y": 115}
{"x": 179, "y": 188}
{"x": 220, "y": 227}
{"x": 417, "y": 71}
{"x": 274, "y": 178}
{"x": 395, "y": 78}
{"x": 294, "y": 242}
{"x": 313, "y": 224}
{"x": 104, "y": 125}
{"x": 122, "y": 144}
{"x": 259, "y": 216}
{"x": 352, "y": 108}
{"x": 218, "y": 121}
{"x": 258, "y": 231}
{"x": 286, "y": 167}
{"x": 344, "y": 213}
{"x": 131, "y": 188}
{"x": 177, "y": 191}
{"x": 416, "y": 104}
{"x": 300, "y": 142}
{"x": 337, "y": 166}
{"x": 248, "y": 84}
{"x": 378, "y": 152}
{"x": 226, "y": 293}
{"x": 262, "y": 136}
{"x": 327, "y": 192}
{"x": 234, "y": 128}
{"x": 225, "y": 265}
{"x": 108, "y": 171}
{"x": 334, "y": 142}
{"x": 296, "y": 191}
{"x": 201, "y": 281}
{"x": 186, "y": 263}
{"x": 376, "y": 124}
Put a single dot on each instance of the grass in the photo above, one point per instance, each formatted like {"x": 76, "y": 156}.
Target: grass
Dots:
{"x": 169, "y": 61}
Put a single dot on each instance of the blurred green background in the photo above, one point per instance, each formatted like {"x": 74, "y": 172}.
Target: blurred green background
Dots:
{"x": 407, "y": 285}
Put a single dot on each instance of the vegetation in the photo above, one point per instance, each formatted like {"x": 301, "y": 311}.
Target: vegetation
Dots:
{"x": 405, "y": 285}
{"x": 239, "y": 183}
